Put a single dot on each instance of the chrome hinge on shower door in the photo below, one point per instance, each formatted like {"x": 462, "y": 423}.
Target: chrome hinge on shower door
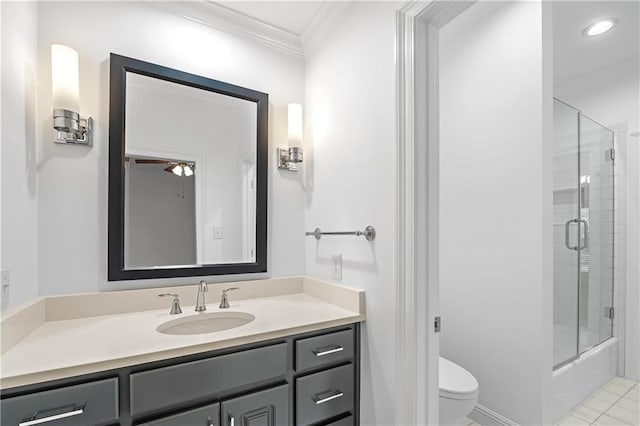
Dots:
{"x": 437, "y": 323}
{"x": 609, "y": 312}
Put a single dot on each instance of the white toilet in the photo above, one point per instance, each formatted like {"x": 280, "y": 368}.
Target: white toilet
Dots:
{"x": 458, "y": 392}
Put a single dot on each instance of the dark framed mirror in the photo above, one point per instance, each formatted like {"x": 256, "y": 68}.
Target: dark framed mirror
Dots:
{"x": 187, "y": 174}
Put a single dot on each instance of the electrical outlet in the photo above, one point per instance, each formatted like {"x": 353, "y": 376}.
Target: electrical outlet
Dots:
{"x": 217, "y": 233}
{"x": 5, "y": 283}
{"x": 336, "y": 267}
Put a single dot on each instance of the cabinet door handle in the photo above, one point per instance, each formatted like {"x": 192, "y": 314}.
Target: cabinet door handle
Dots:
{"x": 326, "y": 350}
{"x": 34, "y": 420}
{"x": 322, "y": 397}
{"x": 209, "y": 421}
{"x": 231, "y": 421}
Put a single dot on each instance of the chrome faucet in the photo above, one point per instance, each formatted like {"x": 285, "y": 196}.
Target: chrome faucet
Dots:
{"x": 202, "y": 289}
{"x": 224, "y": 301}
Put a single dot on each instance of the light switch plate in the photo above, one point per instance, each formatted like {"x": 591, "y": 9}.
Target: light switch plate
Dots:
{"x": 336, "y": 267}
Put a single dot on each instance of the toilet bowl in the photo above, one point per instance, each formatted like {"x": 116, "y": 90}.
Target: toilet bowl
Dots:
{"x": 458, "y": 392}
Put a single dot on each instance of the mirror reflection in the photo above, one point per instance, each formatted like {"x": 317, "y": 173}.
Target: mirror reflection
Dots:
{"x": 189, "y": 175}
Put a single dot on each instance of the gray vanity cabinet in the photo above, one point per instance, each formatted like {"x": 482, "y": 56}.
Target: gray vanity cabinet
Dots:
{"x": 304, "y": 379}
{"x": 265, "y": 408}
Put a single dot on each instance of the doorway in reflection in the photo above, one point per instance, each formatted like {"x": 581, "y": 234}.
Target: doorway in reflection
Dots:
{"x": 160, "y": 212}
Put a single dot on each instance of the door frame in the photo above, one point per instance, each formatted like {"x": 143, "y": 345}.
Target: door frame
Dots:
{"x": 417, "y": 206}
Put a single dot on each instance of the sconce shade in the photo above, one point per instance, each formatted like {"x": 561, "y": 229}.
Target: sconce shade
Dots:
{"x": 295, "y": 125}
{"x": 64, "y": 78}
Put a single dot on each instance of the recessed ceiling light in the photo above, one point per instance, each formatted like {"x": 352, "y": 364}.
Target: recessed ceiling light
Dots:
{"x": 599, "y": 27}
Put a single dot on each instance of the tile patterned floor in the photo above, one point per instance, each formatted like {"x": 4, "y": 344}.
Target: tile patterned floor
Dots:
{"x": 616, "y": 404}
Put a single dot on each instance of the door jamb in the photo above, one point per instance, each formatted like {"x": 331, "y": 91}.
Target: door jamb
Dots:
{"x": 416, "y": 245}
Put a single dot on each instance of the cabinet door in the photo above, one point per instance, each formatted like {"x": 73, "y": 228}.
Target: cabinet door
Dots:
{"x": 204, "y": 416}
{"x": 265, "y": 408}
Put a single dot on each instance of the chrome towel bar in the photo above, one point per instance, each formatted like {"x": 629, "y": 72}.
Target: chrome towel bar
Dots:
{"x": 369, "y": 233}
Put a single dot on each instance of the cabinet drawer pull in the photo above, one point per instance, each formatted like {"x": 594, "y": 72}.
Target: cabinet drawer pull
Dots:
{"x": 326, "y": 350}
{"x": 322, "y": 397}
{"x": 232, "y": 421}
{"x": 33, "y": 420}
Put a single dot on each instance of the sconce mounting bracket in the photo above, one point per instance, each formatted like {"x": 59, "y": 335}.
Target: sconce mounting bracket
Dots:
{"x": 288, "y": 158}
{"x": 71, "y": 129}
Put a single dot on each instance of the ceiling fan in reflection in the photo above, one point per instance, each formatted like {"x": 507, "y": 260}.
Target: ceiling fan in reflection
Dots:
{"x": 178, "y": 168}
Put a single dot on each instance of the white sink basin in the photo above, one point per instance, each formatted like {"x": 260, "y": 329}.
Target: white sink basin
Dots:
{"x": 205, "y": 323}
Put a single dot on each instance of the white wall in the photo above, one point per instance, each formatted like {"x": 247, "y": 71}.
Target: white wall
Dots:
{"x": 350, "y": 180}
{"x": 611, "y": 96}
{"x": 19, "y": 168}
{"x": 495, "y": 211}
{"x": 72, "y": 201}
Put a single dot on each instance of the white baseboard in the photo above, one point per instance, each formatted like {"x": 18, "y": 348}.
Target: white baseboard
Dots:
{"x": 487, "y": 417}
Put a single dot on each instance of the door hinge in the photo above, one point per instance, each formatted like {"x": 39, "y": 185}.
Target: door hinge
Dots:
{"x": 611, "y": 153}
{"x": 609, "y": 312}
{"x": 437, "y": 324}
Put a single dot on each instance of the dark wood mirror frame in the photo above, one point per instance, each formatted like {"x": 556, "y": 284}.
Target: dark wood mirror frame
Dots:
{"x": 119, "y": 67}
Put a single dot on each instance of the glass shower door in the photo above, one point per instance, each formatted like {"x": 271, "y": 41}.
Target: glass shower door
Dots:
{"x": 565, "y": 212}
{"x": 583, "y": 232}
{"x": 596, "y": 211}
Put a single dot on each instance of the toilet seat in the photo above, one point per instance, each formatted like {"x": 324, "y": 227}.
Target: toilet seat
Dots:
{"x": 455, "y": 382}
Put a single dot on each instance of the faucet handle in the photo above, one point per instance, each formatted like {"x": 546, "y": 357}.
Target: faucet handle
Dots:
{"x": 204, "y": 286}
{"x": 224, "y": 300}
{"x": 175, "y": 305}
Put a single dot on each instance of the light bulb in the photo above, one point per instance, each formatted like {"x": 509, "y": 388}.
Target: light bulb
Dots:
{"x": 188, "y": 171}
{"x": 600, "y": 27}
{"x": 177, "y": 170}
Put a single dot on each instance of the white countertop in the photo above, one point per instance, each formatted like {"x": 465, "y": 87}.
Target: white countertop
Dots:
{"x": 59, "y": 348}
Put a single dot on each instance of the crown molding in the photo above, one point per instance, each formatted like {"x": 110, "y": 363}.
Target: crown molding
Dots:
{"x": 221, "y": 18}
{"x": 322, "y": 23}
{"x": 224, "y": 19}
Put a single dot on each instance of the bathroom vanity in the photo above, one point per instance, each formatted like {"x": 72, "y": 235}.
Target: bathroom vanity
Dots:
{"x": 296, "y": 363}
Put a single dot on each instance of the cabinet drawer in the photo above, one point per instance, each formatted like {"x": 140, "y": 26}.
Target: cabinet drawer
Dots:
{"x": 325, "y": 394}
{"x": 265, "y": 408}
{"x": 93, "y": 403}
{"x": 168, "y": 386}
{"x": 321, "y": 350}
{"x": 208, "y": 416}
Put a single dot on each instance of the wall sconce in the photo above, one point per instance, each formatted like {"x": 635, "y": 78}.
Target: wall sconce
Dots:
{"x": 289, "y": 157}
{"x": 70, "y": 127}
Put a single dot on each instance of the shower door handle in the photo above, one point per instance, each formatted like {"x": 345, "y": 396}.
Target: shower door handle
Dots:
{"x": 566, "y": 234}
{"x": 586, "y": 233}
